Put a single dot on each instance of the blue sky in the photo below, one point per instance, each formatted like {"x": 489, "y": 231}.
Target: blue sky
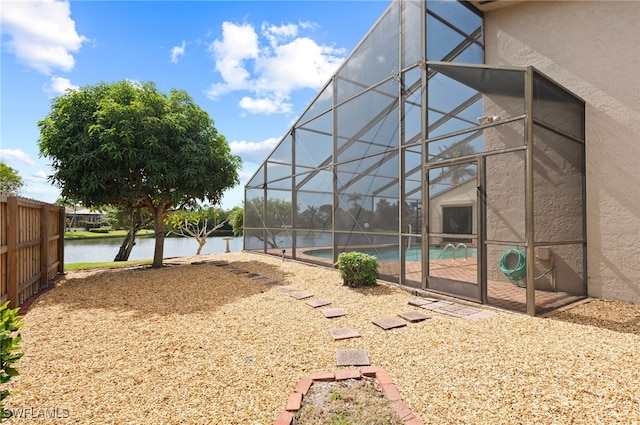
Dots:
{"x": 252, "y": 65}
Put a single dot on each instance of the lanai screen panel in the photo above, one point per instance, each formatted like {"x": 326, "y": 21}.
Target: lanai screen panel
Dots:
{"x": 368, "y": 194}
{"x": 314, "y": 144}
{"x": 411, "y": 38}
{"x": 314, "y": 216}
{"x": 454, "y": 33}
{"x": 368, "y": 123}
{"x": 412, "y": 106}
{"x": 374, "y": 59}
{"x": 474, "y": 110}
{"x": 349, "y": 173}
{"x": 278, "y": 219}
{"x": 559, "y": 188}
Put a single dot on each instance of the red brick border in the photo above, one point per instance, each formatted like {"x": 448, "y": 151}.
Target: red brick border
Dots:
{"x": 24, "y": 308}
{"x": 379, "y": 374}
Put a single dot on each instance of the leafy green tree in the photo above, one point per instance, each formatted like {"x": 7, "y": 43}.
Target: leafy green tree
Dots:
{"x": 134, "y": 220}
{"x": 315, "y": 217}
{"x": 196, "y": 223}
{"x": 277, "y": 219}
{"x": 385, "y": 217}
{"x": 126, "y": 144}
{"x": 236, "y": 219}
{"x": 10, "y": 180}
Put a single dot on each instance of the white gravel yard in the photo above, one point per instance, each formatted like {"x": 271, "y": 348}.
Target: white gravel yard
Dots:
{"x": 198, "y": 344}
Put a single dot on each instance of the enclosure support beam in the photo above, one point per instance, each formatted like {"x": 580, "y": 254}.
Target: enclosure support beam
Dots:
{"x": 529, "y": 210}
{"x": 294, "y": 197}
{"x": 401, "y": 162}
{"x": 424, "y": 117}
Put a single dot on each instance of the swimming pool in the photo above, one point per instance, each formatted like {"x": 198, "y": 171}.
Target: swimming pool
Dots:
{"x": 391, "y": 253}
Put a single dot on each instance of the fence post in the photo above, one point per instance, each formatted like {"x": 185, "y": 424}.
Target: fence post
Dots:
{"x": 44, "y": 247}
{"x": 12, "y": 251}
{"x": 62, "y": 226}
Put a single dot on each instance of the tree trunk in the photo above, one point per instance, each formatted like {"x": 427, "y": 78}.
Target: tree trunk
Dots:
{"x": 201, "y": 243}
{"x": 137, "y": 223}
{"x": 127, "y": 245}
{"x": 158, "y": 226}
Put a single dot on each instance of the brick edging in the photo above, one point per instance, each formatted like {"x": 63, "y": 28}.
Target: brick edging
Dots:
{"x": 24, "y": 308}
{"x": 383, "y": 379}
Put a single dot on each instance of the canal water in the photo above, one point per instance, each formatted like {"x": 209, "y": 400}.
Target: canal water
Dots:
{"x": 105, "y": 249}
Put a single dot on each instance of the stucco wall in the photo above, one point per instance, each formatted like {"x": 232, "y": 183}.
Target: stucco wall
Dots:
{"x": 460, "y": 196}
{"x": 592, "y": 48}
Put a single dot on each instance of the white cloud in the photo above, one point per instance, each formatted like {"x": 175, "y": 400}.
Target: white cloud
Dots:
{"x": 302, "y": 63}
{"x": 60, "y": 85}
{"x": 266, "y": 106}
{"x": 37, "y": 177}
{"x": 178, "y": 51}
{"x": 41, "y": 192}
{"x": 41, "y": 33}
{"x": 244, "y": 176}
{"x": 239, "y": 43}
{"x": 270, "y": 66}
{"x": 16, "y": 155}
{"x": 308, "y": 25}
{"x": 253, "y": 151}
{"x": 278, "y": 34}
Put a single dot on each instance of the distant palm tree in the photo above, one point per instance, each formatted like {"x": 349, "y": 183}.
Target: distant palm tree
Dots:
{"x": 455, "y": 174}
{"x": 355, "y": 197}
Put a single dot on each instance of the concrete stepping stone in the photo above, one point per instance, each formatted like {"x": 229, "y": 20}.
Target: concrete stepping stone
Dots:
{"x": 469, "y": 310}
{"x": 418, "y": 302}
{"x": 451, "y": 307}
{"x": 414, "y": 316}
{"x": 387, "y": 323}
{"x": 318, "y": 303}
{"x": 482, "y": 314}
{"x": 273, "y": 283}
{"x": 344, "y": 333}
{"x": 455, "y": 313}
{"x": 352, "y": 357}
{"x": 330, "y": 313}
{"x": 287, "y": 289}
{"x": 252, "y": 275}
{"x": 442, "y": 305}
{"x": 302, "y": 295}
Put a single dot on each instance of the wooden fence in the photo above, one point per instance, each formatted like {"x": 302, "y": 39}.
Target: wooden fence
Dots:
{"x": 31, "y": 247}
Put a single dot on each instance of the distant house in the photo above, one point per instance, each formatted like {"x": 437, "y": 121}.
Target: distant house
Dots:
{"x": 79, "y": 217}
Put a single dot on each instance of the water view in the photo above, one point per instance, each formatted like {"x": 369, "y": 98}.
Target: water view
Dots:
{"x": 414, "y": 253}
{"x": 99, "y": 250}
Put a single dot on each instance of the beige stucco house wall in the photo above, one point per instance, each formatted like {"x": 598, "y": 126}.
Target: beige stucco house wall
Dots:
{"x": 593, "y": 49}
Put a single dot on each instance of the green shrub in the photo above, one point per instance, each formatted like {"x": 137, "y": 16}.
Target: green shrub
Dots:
{"x": 358, "y": 269}
{"x": 10, "y": 352}
{"x": 99, "y": 230}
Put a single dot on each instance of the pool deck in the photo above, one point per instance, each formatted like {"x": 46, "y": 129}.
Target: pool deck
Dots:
{"x": 505, "y": 295}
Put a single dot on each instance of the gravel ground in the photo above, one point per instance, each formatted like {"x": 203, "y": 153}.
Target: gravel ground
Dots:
{"x": 198, "y": 344}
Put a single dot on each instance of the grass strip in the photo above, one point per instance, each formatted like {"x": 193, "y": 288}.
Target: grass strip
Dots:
{"x": 107, "y": 264}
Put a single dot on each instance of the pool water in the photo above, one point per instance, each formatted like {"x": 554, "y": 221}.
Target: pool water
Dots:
{"x": 391, "y": 253}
